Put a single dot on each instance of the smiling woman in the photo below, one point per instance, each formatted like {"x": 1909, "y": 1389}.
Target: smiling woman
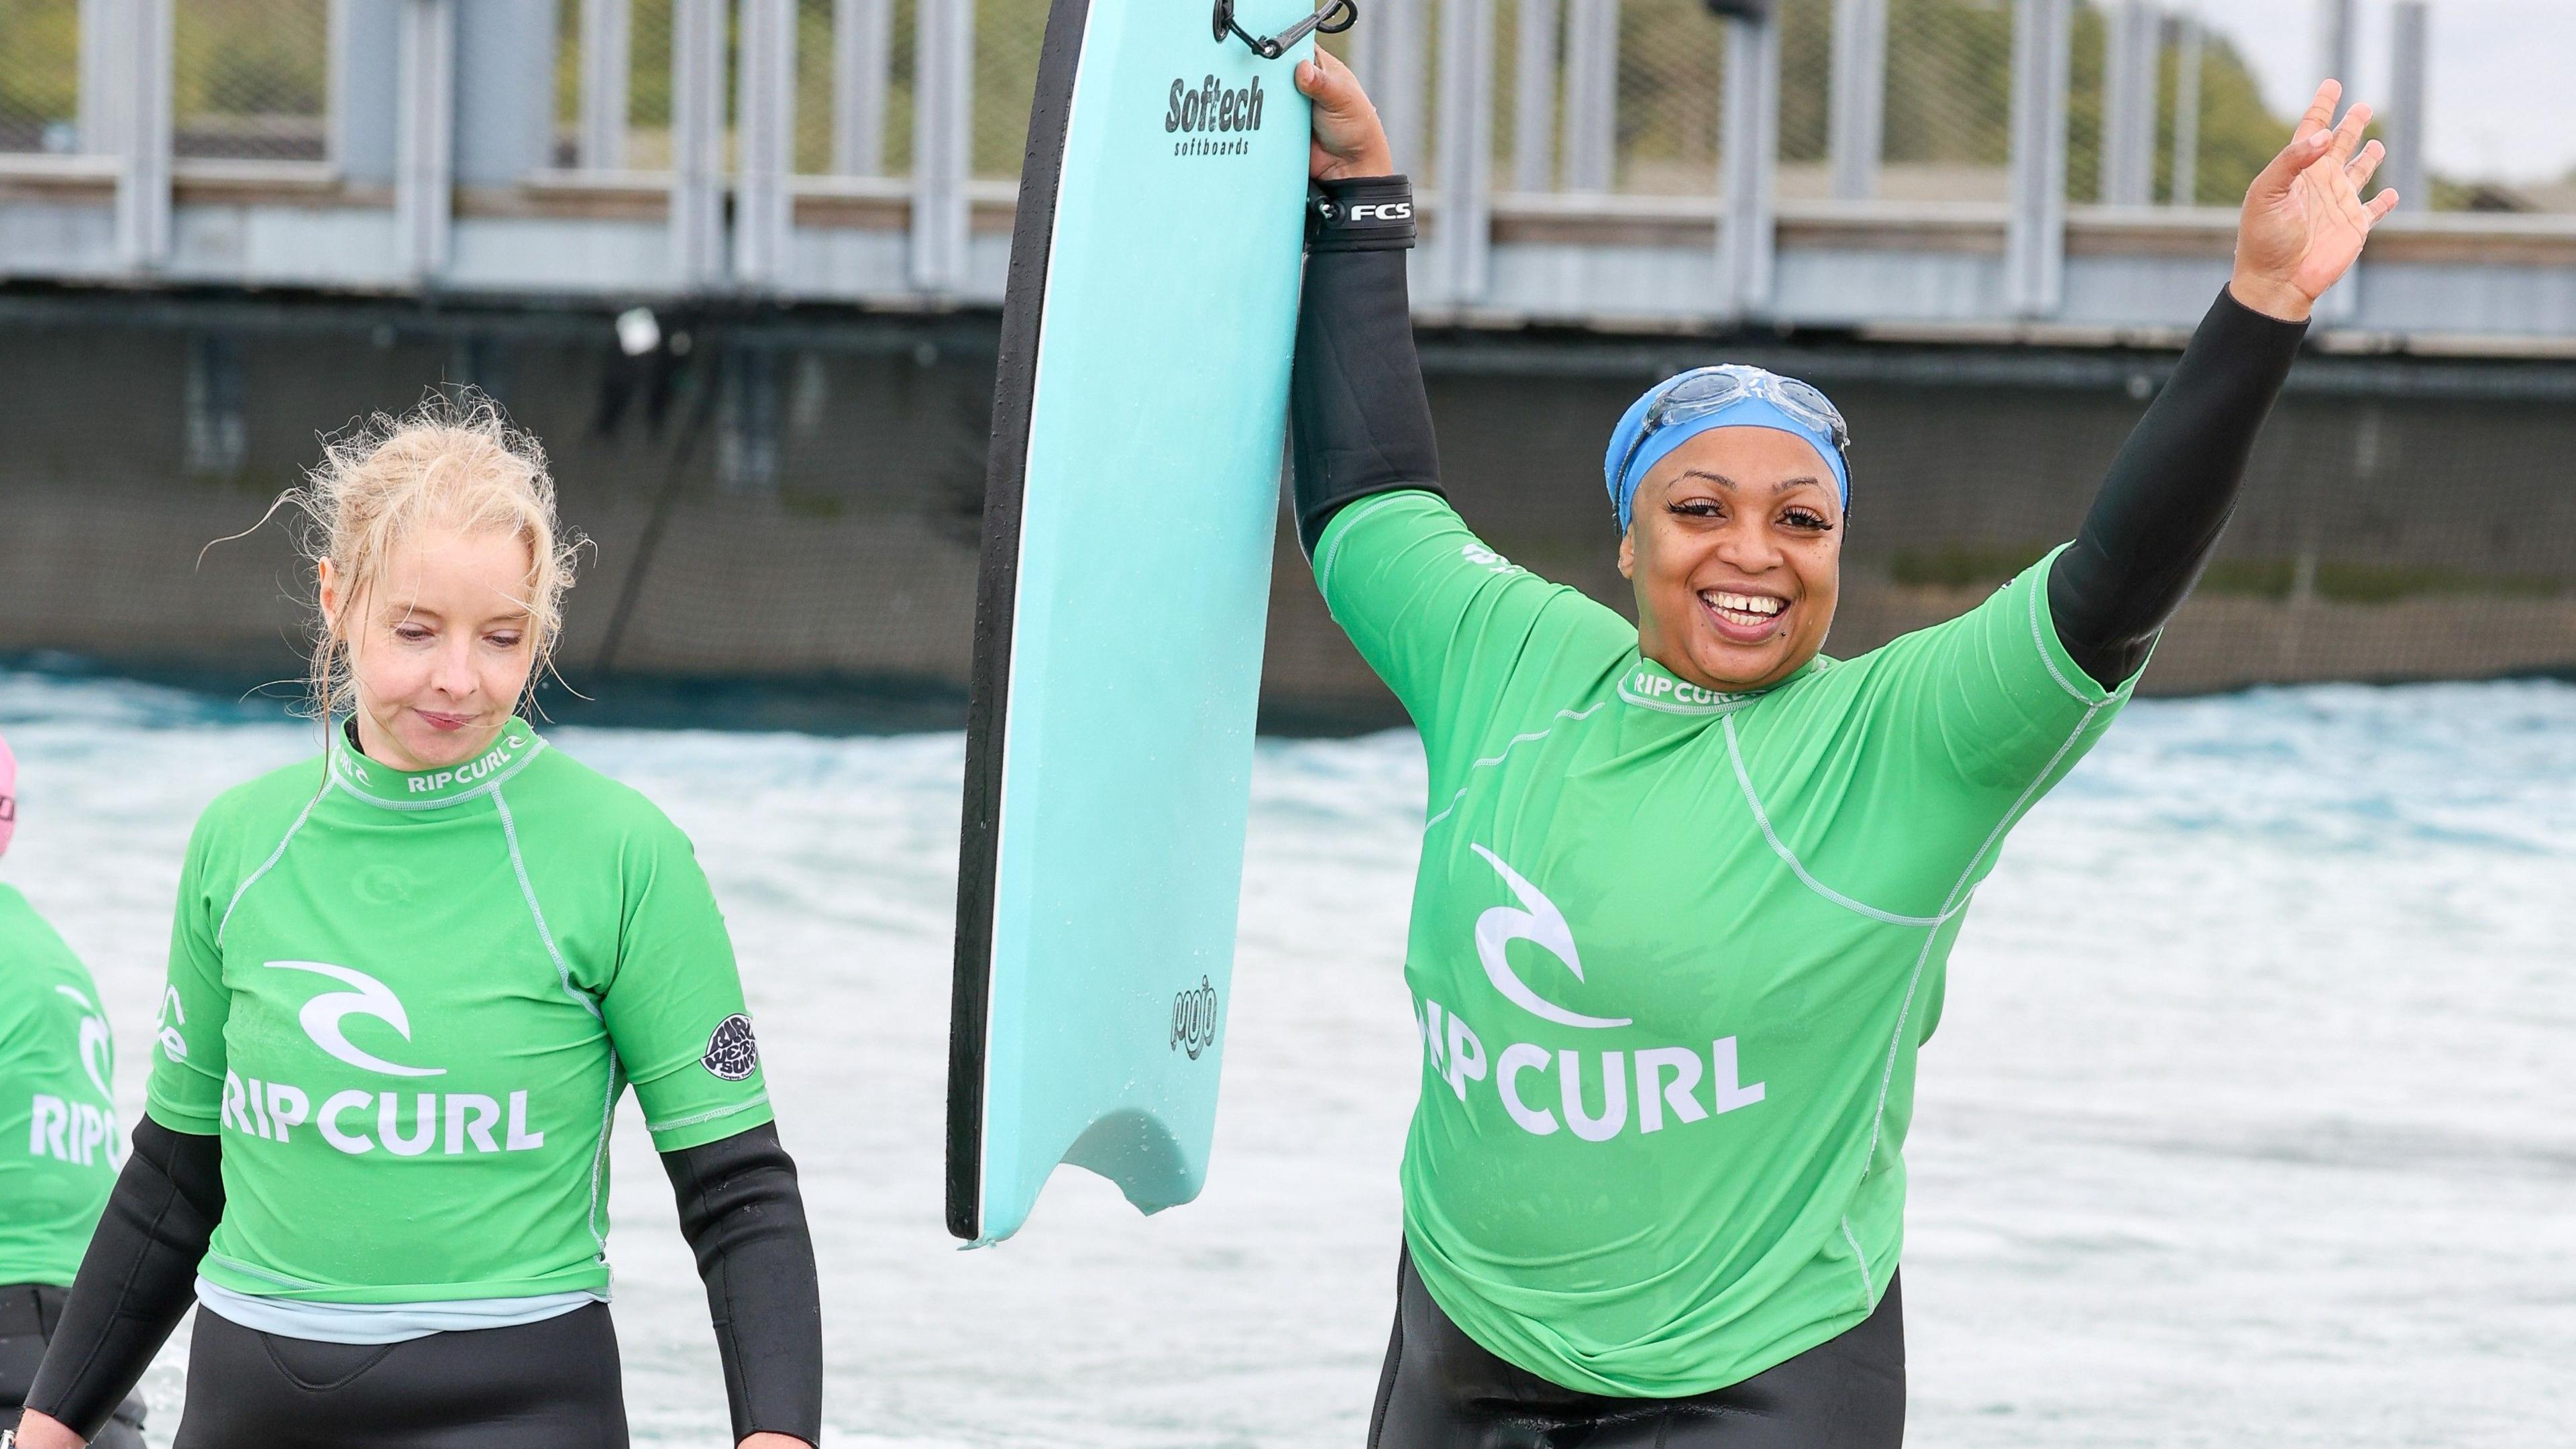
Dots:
{"x": 440, "y": 896}
{"x": 1734, "y": 866}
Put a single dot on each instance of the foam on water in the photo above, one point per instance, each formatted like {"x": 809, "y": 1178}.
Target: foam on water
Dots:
{"x": 2247, "y": 1122}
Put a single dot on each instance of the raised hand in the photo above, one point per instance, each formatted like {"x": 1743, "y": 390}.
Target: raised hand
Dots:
{"x": 1349, "y": 139}
{"x": 2304, "y": 221}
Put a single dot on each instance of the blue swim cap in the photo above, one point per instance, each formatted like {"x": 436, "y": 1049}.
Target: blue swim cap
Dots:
{"x": 1680, "y": 408}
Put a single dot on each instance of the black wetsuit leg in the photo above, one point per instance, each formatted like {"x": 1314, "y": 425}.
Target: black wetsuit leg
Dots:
{"x": 1440, "y": 1389}
{"x": 550, "y": 1385}
{"x": 29, "y": 1313}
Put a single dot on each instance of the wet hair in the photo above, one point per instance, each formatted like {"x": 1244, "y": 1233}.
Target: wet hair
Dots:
{"x": 455, "y": 462}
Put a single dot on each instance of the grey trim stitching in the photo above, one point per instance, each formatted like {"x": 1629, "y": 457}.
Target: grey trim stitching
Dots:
{"x": 1959, "y": 893}
{"x": 1780, "y": 848}
{"x": 528, "y": 892}
{"x": 676, "y": 1123}
{"x": 1508, "y": 746}
{"x": 563, "y": 976}
{"x": 274, "y": 856}
{"x": 599, "y": 1154}
{"x": 1867, "y": 1293}
{"x": 2040, "y": 642}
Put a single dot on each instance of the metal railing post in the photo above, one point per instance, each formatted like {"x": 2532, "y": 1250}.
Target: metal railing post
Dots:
{"x": 697, "y": 140}
{"x": 2188, "y": 40}
{"x": 1858, "y": 122}
{"x": 2336, "y": 38}
{"x": 942, "y": 142}
{"x": 607, "y": 60}
{"x": 1591, "y": 94}
{"x": 1464, "y": 235}
{"x": 764, "y": 141}
{"x": 144, "y": 81}
{"x": 2408, "y": 95}
{"x": 102, "y": 53}
{"x": 1747, "y": 236}
{"x": 365, "y": 86}
{"x": 2129, "y": 104}
{"x": 425, "y": 136}
{"x": 1534, "y": 97}
{"x": 862, "y": 33}
{"x": 2035, "y": 245}
{"x": 1390, "y": 55}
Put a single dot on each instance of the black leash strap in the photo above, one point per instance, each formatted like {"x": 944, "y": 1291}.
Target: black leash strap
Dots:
{"x": 1332, "y": 19}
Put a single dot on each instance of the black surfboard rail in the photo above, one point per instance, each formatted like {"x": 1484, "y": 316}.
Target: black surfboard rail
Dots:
{"x": 996, "y": 599}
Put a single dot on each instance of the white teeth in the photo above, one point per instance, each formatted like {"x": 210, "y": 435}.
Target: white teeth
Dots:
{"x": 1759, "y": 605}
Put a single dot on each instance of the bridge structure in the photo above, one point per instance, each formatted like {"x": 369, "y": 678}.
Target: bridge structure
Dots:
{"x": 839, "y": 151}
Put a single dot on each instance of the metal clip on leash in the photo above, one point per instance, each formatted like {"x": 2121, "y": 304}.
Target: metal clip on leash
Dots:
{"x": 1332, "y": 19}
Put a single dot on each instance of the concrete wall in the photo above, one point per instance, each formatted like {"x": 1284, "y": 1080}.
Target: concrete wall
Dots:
{"x": 804, "y": 504}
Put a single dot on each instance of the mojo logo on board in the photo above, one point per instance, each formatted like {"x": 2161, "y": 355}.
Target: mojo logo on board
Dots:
{"x": 1209, "y": 119}
{"x": 1194, "y": 1019}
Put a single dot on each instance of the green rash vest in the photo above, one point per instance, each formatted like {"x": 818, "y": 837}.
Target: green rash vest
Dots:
{"x": 59, "y": 1142}
{"x": 1672, "y": 951}
{"x": 409, "y": 1004}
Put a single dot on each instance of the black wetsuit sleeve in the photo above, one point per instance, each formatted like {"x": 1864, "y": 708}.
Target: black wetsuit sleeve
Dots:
{"x": 745, "y": 1220}
{"x": 2159, "y": 514}
{"x": 138, "y": 1278}
{"x": 1359, "y": 418}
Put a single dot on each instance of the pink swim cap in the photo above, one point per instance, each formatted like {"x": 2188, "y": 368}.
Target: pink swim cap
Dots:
{"x": 8, "y": 795}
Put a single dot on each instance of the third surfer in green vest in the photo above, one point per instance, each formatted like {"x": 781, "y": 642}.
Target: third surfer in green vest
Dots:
{"x": 1688, "y": 887}
{"x": 409, "y": 982}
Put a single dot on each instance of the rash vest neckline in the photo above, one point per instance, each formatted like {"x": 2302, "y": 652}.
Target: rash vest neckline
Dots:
{"x": 379, "y": 784}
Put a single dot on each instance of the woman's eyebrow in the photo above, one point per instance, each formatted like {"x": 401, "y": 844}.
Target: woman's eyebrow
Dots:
{"x": 1803, "y": 480}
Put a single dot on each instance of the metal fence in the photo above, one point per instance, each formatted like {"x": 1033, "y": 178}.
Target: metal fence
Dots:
{"x": 40, "y": 76}
{"x": 1905, "y": 100}
{"x": 1998, "y": 109}
{"x": 251, "y": 79}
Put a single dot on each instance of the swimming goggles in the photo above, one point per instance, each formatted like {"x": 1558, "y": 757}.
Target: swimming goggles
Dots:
{"x": 1706, "y": 390}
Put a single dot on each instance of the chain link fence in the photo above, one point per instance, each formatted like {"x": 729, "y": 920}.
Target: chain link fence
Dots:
{"x": 1008, "y": 37}
{"x": 1948, "y": 114}
{"x": 1670, "y": 98}
{"x": 39, "y": 75}
{"x": 251, "y": 79}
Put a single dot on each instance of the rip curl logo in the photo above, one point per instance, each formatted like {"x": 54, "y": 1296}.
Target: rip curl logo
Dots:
{"x": 1676, "y": 696}
{"x": 97, "y": 1043}
{"x": 322, "y": 1017}
{"x": 1541, "y": 924}
{"x": 492, "y": 759}
{"x": 1485, "y": 558}
{"x": 732, "y": 1052}
{"x": 1672, "y": 1084}
{"x": 167, "y": 1034}
{"x": 1194, "y": 1018}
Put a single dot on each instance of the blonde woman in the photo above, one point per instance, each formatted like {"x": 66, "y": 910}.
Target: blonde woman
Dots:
{"x": 409, "y": 982}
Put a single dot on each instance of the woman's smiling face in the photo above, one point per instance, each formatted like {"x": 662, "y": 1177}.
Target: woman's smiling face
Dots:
{"x": 1735, "y": 547}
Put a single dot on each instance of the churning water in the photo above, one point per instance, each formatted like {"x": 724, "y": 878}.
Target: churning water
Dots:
{"x": 2249, "y": 1120}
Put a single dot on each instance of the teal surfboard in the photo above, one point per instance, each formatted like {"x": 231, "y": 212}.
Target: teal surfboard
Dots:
{"x": 1131, "y": 505}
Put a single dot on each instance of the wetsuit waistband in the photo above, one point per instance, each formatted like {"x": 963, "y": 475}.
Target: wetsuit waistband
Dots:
{"x": 383, "y": 1322}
